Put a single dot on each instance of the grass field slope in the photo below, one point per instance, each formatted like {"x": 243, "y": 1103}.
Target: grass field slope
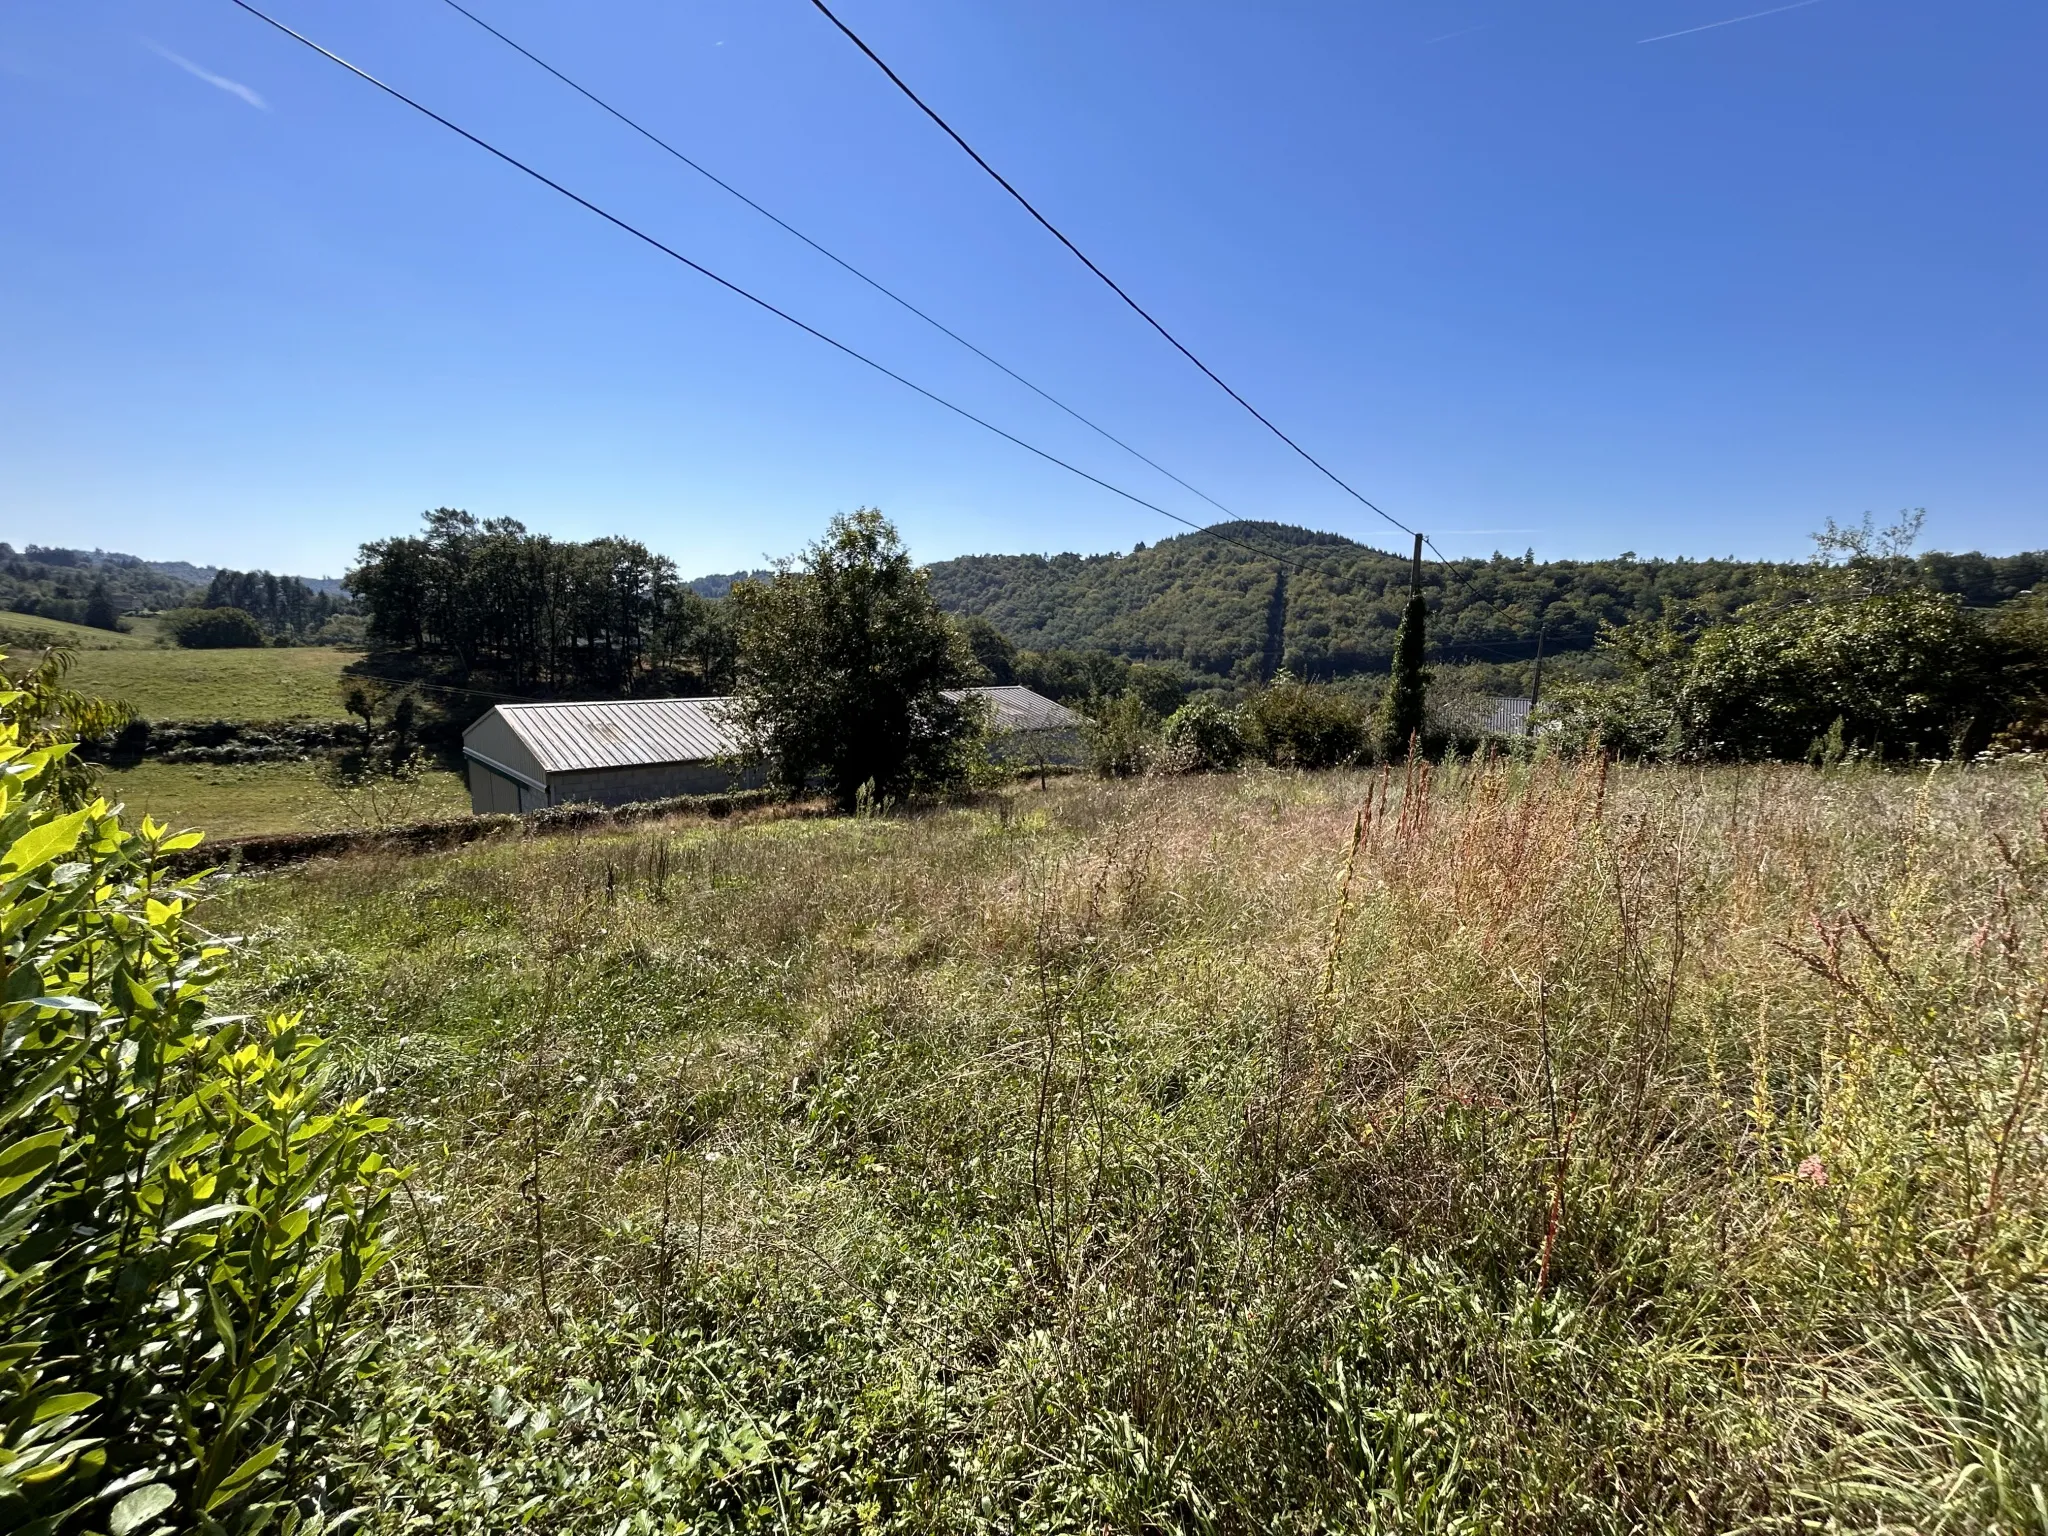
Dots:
{"x": 258, "y": 683}
{"x": 1533, "y": 1148}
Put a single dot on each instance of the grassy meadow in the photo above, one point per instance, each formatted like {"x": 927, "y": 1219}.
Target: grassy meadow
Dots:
{"x": 1527, "y": 1149}
{"x": 254, "y": 799}
{"x": 28, "y": 631}
{"x": 259, "y": 683}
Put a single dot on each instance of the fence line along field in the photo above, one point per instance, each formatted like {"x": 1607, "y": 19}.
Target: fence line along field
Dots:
{"x": 1521, "y": 1148}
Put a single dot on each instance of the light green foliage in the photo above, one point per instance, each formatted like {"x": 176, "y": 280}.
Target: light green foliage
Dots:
{"x": 1939, "y": 1421}
{"x": 186, "y": 1221}
{"x": 46, "y": 710}
{"x": 1121, "y": 735}
{"x": 21, "y": 632}
{"x": 1550, "y": 1149}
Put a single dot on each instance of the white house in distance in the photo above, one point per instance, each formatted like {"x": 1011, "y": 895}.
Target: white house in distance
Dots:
{"x": 526, "y": 757}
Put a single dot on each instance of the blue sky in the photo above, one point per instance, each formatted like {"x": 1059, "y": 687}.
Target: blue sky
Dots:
{"x": 1520, "y": 276}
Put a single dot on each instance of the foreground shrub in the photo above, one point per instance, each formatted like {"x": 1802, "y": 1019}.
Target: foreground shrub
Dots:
{"x": 185, "y": 1226}
{"x": 212, "y": 629}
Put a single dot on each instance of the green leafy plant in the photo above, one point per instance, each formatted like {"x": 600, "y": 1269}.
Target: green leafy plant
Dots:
{"x": 186, "y": 1222}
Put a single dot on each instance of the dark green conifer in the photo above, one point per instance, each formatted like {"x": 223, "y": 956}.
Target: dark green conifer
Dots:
{"x": 1403, "y": 704}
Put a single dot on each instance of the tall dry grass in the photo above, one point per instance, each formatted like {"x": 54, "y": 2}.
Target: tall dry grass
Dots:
{"x": 1493, "y": 1146}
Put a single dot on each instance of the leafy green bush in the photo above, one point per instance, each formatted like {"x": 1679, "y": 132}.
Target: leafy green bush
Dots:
{"x": 1121, "y": 735}
{"x": 212, "y": 629}
{"x": 185, "y": 1225}
{"x": 1904, "y": 672}
{"x": 1203, "y": 737}
{"x": 1306, "y": 725}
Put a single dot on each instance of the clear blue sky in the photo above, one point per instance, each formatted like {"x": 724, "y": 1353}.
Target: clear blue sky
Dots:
{"x": 1521, "y": 276}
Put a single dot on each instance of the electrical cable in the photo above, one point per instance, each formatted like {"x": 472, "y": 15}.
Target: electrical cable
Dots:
{"x": 1113, "y": 285}
{"x": 837, "y": 260}
{"x": 752, "y": 298}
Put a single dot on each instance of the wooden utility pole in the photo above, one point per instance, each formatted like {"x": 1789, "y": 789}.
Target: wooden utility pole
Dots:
{"x": 1415, "y": 573}
{"x": 1536, "y": 682}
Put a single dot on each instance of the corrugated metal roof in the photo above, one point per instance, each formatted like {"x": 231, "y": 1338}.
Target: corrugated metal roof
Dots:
{"x": 636, "y": 733}
{"x": 1017, "y": 708}
{"x": 1510, "y": 717}
{"x": 626, "y": 733}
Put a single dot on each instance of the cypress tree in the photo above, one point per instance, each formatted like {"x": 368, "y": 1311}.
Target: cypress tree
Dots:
{"x": 1402, "y": 705}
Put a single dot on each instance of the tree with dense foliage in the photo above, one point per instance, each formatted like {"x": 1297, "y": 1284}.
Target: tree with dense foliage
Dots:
{"x": 993, "y": 652}
{"x": 187, "y": 1219}
{"x": 2019, "y": 637}
{"x": 212, "y": 629}
{"x": 100, "y": 612}
{"x": 845, "y": 663}
{"x": 282, "y": 605}
{"x": 602, "y": 617}
{"x": 1854, "y": 647}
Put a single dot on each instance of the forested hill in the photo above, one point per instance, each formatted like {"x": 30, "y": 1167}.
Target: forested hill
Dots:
{"x": 1226, "y": 611}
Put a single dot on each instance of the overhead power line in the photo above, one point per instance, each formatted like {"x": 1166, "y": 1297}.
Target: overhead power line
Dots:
{"x": 752, "y": 298}
{"x": 833, "y": 257}
{"x": 1114, "y": 287}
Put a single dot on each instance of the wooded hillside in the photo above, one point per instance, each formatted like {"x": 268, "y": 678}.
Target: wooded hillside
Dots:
{"x": 1226, "y": 611}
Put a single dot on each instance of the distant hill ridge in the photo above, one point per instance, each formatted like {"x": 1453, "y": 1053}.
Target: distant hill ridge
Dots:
{"x": 1222, "y": 608}
{"x": 108, "y": 561}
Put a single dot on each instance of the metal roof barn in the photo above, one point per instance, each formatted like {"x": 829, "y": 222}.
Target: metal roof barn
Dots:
{"x": 525, "y": 757}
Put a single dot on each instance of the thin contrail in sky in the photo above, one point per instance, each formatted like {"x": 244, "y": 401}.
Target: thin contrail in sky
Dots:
{"x": 1752, "y": 16}
{"x": 1430, "y": 42}
{"x": 232, "y": 87}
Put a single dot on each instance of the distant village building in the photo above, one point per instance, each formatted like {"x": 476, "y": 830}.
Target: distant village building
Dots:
{"x": 526, "y": 757}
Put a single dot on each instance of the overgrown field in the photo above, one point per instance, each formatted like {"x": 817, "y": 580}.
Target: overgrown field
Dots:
{"x": 259, "y": 683}
{"x": 1540, "y": 1149}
